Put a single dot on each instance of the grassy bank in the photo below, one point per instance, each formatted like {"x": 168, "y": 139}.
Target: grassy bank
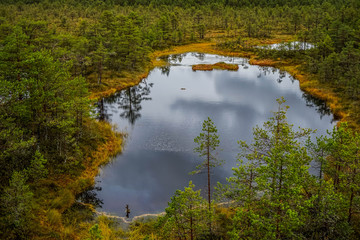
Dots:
{"x": 62, "y": 217}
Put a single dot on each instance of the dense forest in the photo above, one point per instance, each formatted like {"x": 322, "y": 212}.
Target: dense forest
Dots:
{"x": 55, "y": 54}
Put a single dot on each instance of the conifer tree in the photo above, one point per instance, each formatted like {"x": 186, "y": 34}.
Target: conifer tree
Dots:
{"x": 208, "y": 141}
{"x": 274, "y": 179}
{"x": 17, "y": 205}
{"x": 185, "y": 215}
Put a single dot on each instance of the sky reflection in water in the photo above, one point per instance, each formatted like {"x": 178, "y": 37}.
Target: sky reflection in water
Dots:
{"x": 162, "y": 119}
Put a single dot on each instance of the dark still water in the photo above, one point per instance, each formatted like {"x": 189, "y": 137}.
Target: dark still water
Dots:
{"x": 164, "y": 113}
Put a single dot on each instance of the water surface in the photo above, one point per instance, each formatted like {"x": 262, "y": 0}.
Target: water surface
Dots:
{"x": 289, "y": 46}
{"x": 164, "y": 113}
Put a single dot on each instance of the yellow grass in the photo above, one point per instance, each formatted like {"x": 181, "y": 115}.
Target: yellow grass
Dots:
{"x": 203, "y": 67}
{"x": 262, "y": 62}
{"x": 113, "y": 84}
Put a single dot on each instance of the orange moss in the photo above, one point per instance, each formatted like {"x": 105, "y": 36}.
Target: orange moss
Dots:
{"x": 203, "y": 67}
{"x": 226, "y": 66}
{"x": 219, "y": 65}
{"x": 262, "y": 62}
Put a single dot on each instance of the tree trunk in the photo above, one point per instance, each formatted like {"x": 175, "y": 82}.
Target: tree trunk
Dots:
{"x": 100, "y": 73}
{"x": 350, "y": 205}
{"x": 191, "y": 226}
{"x": 351, "y": 196}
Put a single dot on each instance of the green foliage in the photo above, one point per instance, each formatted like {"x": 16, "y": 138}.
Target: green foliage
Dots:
{"x": 47, "y": 103}
{"x": 17, "y": 208}
{"x": 336, "y": 189}
{"x": 345, "y": 163}
{"x": 277, "y": 198}
{"x": 269, "y": 188}
{"x": 95, "y": 233}
{"x": 208, "y": 141}
{"x": 274, "y": 195}
{"x": 185, "y": 216}
{"x": 37, "y": 168}
{"x": 143, "y": 229}
{"x": 327, "y": 215}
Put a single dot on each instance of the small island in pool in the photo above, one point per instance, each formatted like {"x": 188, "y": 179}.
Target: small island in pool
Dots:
{"x": 219, "y": 65}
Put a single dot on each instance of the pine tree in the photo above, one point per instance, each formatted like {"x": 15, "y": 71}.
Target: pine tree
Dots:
{"x": 17, "y": 205}
{"x": 334, "y": 187}
{"x": 270, "y": 188}
{"x": 345, "y": 165}
{"x": 185, "y": 215}
{"x": 100, "y": 55}
{"x": 208, "y": 141}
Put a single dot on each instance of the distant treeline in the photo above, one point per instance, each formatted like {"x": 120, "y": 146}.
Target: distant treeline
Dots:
{"x": 190, "y": 3}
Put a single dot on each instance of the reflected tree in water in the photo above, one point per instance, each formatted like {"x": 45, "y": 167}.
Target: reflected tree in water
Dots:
{"x": 83, "y": 208}
{"x": 319, "y": 105}
{"x": 102, "y": 107}
{"x": 130, "y": 100}
{"x": 282, "y": 75}
{"x": 102, "y": 113}
{"x": 264, "y": 70}
{"x": 177, "y": 57}
{"x": 90, "y": 196}
{"x": 173, "y": 58}
{"x": 292, "y": 79}
{"x": 200, "y": 56}
{"x": 244, "y": 63}
{"x": 165, "y": 70}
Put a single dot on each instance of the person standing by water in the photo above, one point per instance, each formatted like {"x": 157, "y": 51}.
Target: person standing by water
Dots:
{"x": 127, "y": 211}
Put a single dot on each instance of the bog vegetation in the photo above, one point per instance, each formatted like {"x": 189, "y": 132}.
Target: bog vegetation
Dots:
{"x": 54, "y": 54}
{"x": 219, "y": 65}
